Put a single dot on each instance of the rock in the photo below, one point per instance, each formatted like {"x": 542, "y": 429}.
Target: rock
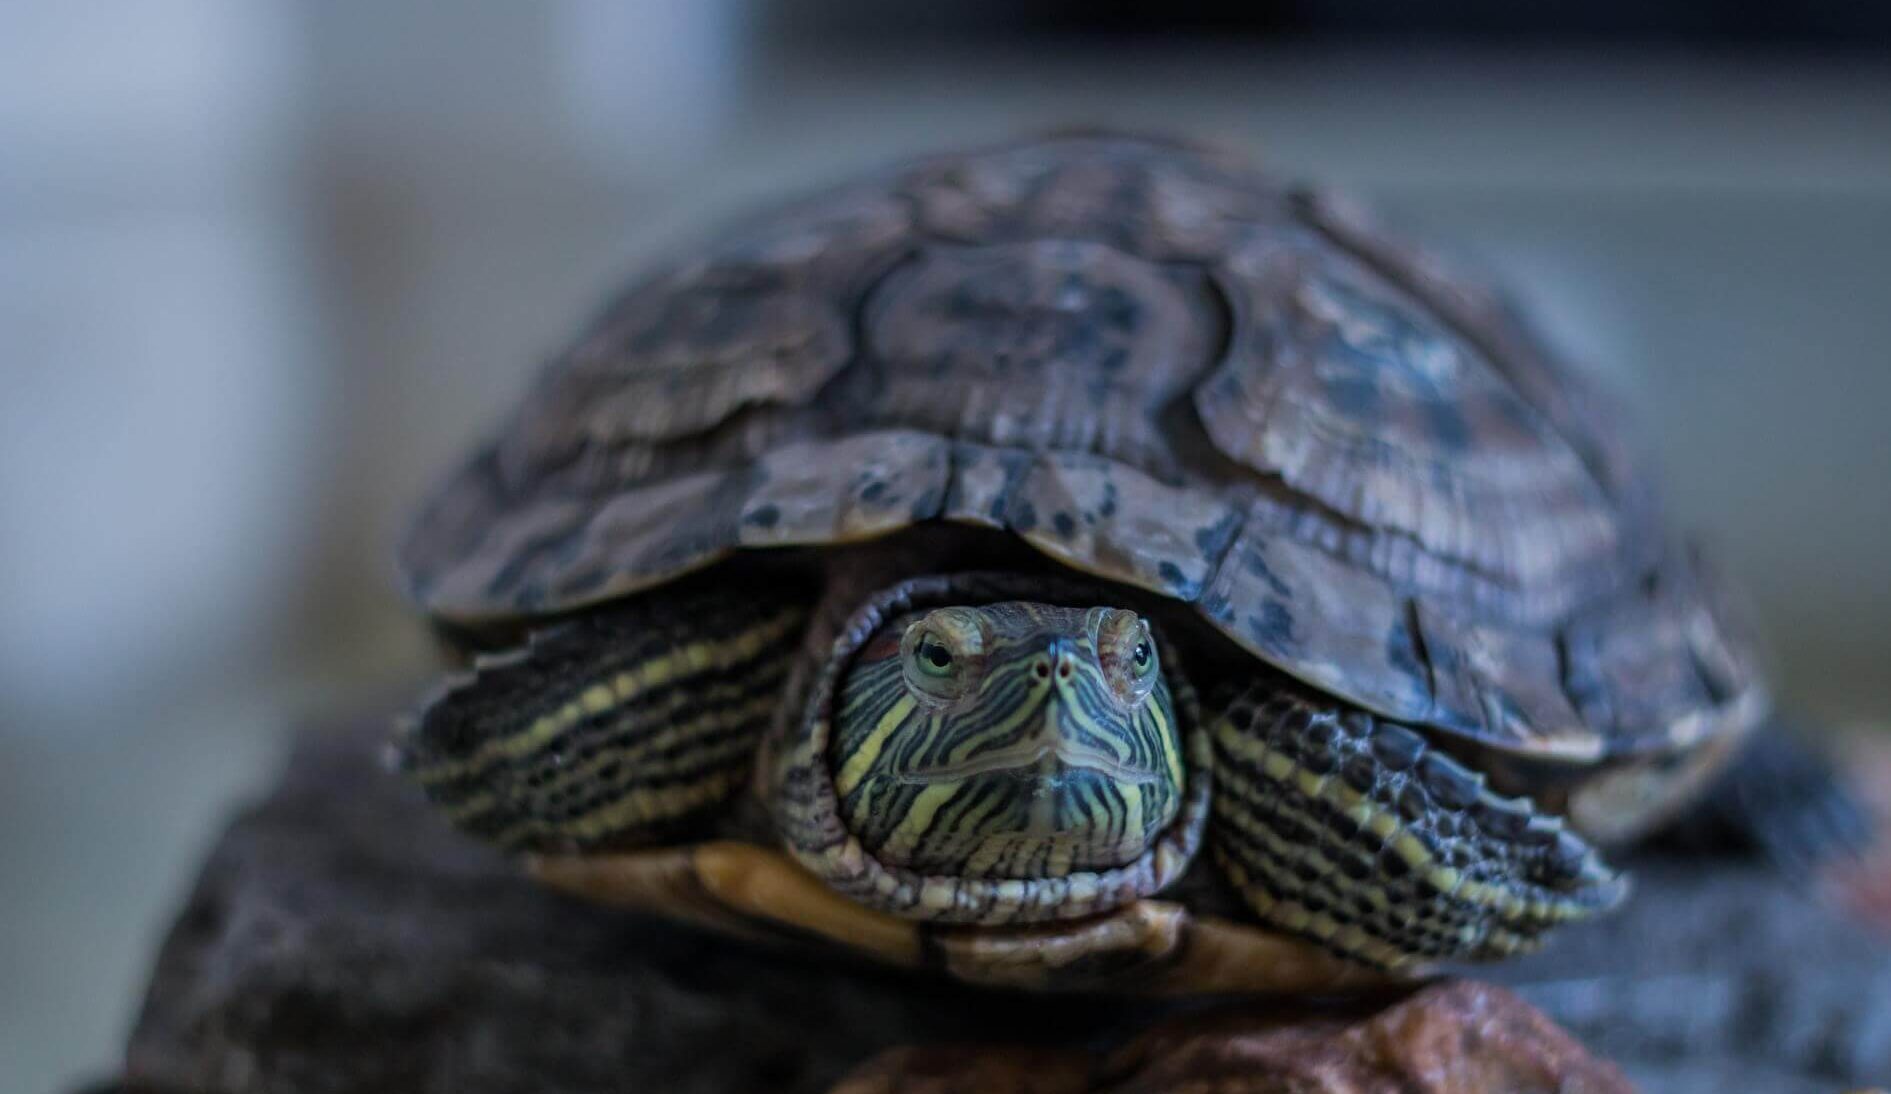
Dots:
{"x": 972, "y": 1069}
{"x": 1718, "y": 967}
{"x": 341, "y": 938}
{"x": 1454, "y": 1036}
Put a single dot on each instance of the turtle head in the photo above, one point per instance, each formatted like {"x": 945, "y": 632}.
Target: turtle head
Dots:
{"x": 1009, "y": 740}
{"x": 995, "y": 760}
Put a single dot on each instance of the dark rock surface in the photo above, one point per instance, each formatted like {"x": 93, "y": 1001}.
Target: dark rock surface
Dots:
{"x": 1720, "y": 969}
{"x": 341, "y": 939}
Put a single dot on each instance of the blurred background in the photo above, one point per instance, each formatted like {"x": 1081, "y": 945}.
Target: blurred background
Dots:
{"x": 267, "y": 267}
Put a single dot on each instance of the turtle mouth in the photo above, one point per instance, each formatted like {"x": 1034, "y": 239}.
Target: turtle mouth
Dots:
{"x": 1045, "y": 762}
{"x": 1052, "y": 825}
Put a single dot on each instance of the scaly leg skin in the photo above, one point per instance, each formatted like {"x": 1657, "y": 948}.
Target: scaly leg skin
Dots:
{"x": 1782, "y": 798}
{"x": 614, "y": 729}
{"x": 1356, "y": 833}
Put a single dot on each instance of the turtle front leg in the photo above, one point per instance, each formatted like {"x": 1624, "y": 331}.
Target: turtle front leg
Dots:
{"x": 1355, "y": 832}
{"x": 617, "y": 728}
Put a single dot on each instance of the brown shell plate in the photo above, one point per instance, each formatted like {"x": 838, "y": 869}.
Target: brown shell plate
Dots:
{"x": 1153, "y": 364}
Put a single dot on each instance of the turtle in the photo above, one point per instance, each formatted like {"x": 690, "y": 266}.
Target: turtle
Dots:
{"x": 1089, "y": 561}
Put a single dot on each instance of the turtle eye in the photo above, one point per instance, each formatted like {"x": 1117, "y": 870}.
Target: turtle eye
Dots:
{"x": 1129, "y": 654}
{"x": 933, "y": 656}
{"x": 941, "y": 652}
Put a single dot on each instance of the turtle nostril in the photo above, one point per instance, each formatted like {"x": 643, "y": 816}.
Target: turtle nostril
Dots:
{"x": 1042, "y": 670}
{"x": 1060, "y": 654}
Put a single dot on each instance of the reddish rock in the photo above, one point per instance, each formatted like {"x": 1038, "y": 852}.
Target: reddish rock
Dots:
{"x": 972, "y": 1069}
{"x": 1865, "y": 886}
{"x": 1458, "y": 1037}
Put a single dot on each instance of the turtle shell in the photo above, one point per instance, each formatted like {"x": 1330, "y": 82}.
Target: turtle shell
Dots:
{"x": 1153, "y": 363}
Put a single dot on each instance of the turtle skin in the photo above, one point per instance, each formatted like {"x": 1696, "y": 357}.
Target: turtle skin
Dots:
{"x": 1341, "y": 472}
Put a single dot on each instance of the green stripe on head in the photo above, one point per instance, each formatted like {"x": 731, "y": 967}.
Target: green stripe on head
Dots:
{"x": 1007, "y": 740}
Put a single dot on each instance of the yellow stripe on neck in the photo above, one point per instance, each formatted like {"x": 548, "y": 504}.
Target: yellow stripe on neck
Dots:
{"x": 863, "y": 758}
{"x": 626, "y": 686}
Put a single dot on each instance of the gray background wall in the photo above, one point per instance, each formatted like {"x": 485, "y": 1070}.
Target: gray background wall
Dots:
{"x": 266, "y": 267}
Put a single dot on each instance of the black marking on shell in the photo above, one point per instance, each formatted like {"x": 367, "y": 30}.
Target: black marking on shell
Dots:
{"x": 1273, "y": 629}
{"x": 928, "y": 505}
{"x": 1257, "y": 565}
{"x": 1217, "y": 539}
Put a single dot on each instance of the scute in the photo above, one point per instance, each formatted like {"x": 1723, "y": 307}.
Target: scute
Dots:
{"x": 1670, "y": 654}
{"x": 1164, "y": 200}
{"x": 1047, "y": 344}
{"x": 1587, "y": 417}
{"x": 1338, "y": 382}
{"x": 758, "y": 320}
{"x": 1333, "y": 624}
{"x": 1155, "y": 367}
